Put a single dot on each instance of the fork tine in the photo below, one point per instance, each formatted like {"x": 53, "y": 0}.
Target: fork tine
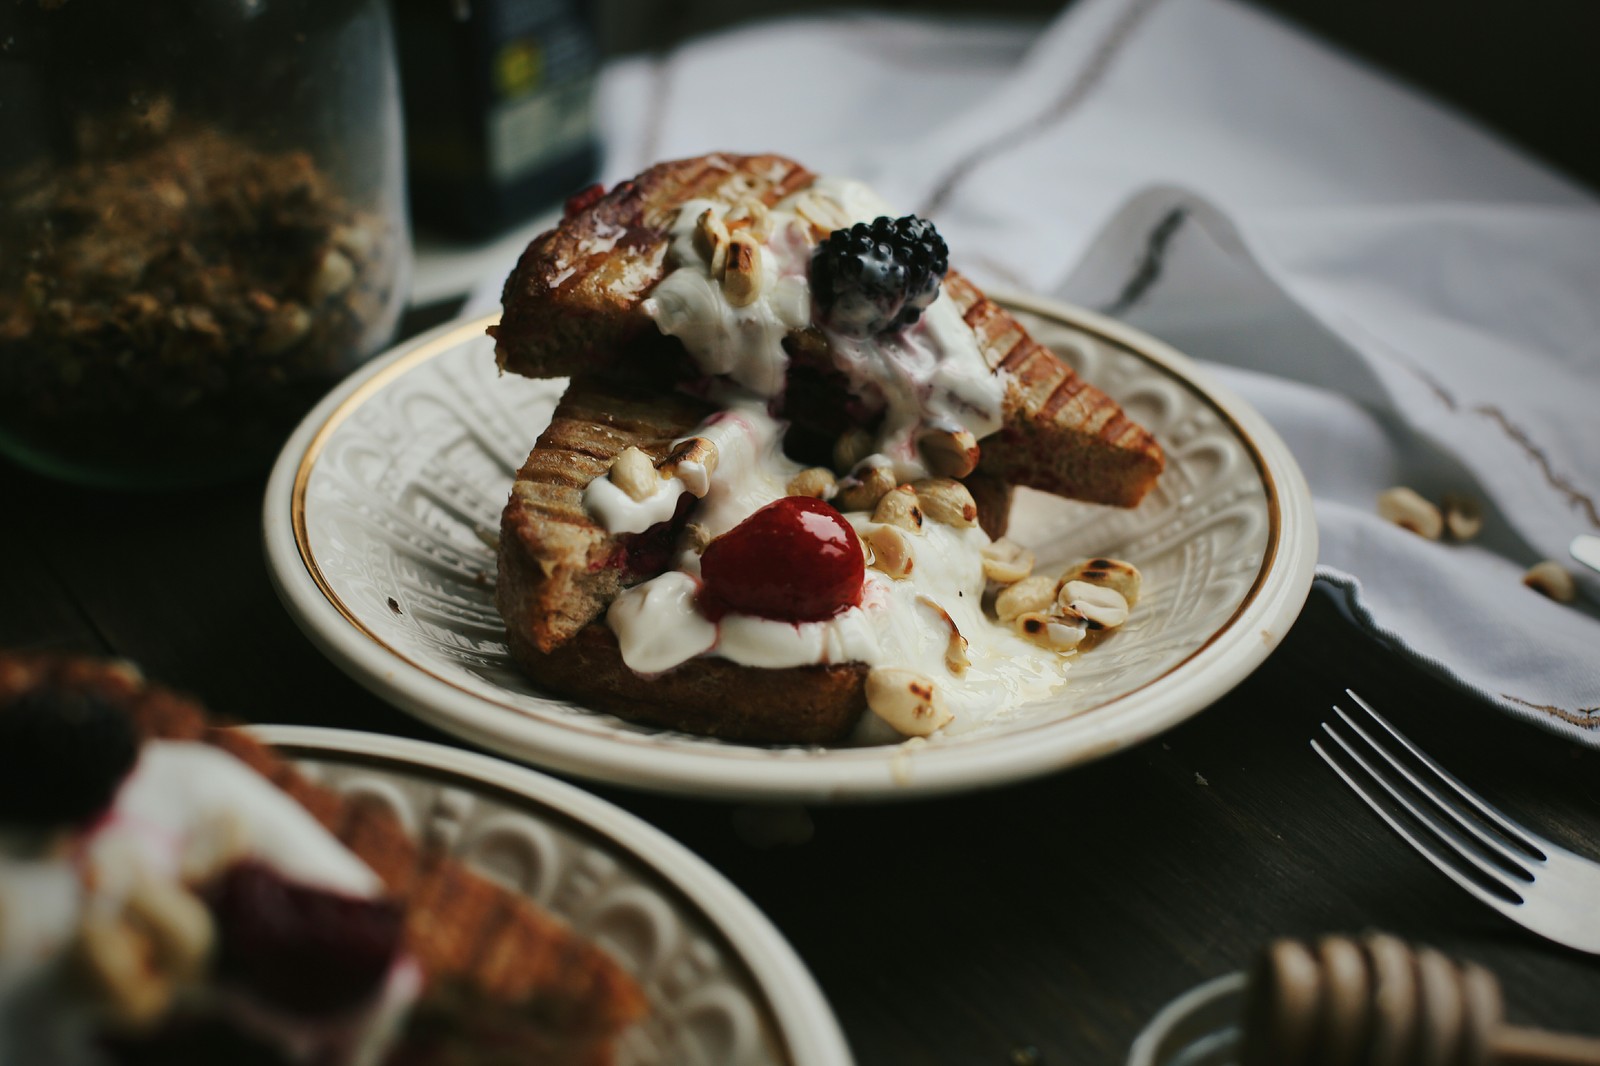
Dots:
{"x": 1447, "y": 834}
{"x": 1431, "y": 851}
{"x": 1517, "y": 860}
{"x": 1537, "y": 845}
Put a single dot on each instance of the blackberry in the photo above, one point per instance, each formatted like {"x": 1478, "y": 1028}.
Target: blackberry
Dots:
{"x": 63, "y": 752}
{"x": 879, "y": 276}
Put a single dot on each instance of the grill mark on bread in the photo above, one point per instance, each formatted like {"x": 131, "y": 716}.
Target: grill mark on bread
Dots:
{"x": 556, "y": 563}
{"x": 1063, "y": 394}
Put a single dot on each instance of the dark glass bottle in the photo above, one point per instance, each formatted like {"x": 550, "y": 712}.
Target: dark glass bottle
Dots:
{"x": 499, "y": 108}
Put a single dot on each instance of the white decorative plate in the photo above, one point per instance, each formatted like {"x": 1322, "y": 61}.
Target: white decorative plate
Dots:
{"x": 380, "y": 509}
{"x": 724, "y": 987}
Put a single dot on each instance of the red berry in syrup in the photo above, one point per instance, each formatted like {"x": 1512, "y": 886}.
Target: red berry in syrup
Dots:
{"x": 302, "y": 949}
{"x": 795, "y": 560}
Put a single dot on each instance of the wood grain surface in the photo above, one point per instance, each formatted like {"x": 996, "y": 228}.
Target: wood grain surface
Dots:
{"x": 1042, "y": 923}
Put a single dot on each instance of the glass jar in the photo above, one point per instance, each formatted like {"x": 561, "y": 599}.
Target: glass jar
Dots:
{"x": 202, "y": 227}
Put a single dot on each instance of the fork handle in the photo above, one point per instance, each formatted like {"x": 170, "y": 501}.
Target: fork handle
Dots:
{"x": 1511, "y": 1046}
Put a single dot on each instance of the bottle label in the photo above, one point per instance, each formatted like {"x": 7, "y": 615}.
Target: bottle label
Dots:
{"x": 543, "y": 127}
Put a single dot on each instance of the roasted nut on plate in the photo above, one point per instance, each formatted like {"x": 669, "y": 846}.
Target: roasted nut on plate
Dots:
{"x": 696, "y": 537}
{"x": 1100, "y": 607}
{"x": 955, "y": 652}
{"x": 178, "y": 926}
{"x": 814, "y": 481}
{"x": 1057, "y": 630}
{"x": 891, "y": 553}
{"x": 1109, "y": 573}
{"x": 947, "y": 501}
{"x": 635, "y": 474}
{"x": 1037, "y": 593}
{"x": 862, "y": 490}
{"x": 907, "y": 700}
{"x": 711, "y": 241}
{"x": 741, "y": 281}
{"x": 115, "y": 961}
{"x": 853, "y": 445}
{"x": 751, "y": 215}
{"x": 691, "y": 461}
{"x": 950, "y": 453}
{"x": 898, "y": 507}
{"x": 1005, "y": 562}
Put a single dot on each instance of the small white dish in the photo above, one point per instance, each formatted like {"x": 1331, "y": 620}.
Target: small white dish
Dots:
{"x": 725, "y": 988}
{"x": 1199, "y": 1028}
{"x": 380, "y": 510}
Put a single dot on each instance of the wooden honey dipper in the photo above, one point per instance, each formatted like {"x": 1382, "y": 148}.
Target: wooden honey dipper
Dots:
{"x": 1377, "y": 1001}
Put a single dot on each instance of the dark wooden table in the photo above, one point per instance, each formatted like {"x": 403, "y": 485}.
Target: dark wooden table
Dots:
{"x": 1040, "y": 923}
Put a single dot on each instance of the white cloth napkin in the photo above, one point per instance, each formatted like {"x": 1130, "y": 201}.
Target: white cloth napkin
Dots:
{"x": 1407, "y": 299}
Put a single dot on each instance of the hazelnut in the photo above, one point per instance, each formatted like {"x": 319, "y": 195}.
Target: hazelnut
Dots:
{"x": 751, "y": 214}
{"x": 1035, "y": 593}
{"x": 814, "y": 481}
{"x": 1551, "y": 579}
{"x": 1463, "y": 516}
{"x": 1100, "y": 607}
{"x": 891, "y": 552}
{"x": 1406, "y": 509}
{"x": 947, "y": 501}
{"x": 950, "y": 453}
{"x": 711, "y": 241}
{"x": 1006, "y": 562}
{"x": 861, "y": 491}
{"x": 692, "y": 461}
{"x": 741, "y": 281}
{"x": 898, "y": 507}
{"x": 635, "y": 474}
{"x": 851, "y": 448}
{"x": 1060, "y": 632}
{"x": 955, "y": 652}
{"x": 1108, "y": 573}
{"x": 907, "y": 700}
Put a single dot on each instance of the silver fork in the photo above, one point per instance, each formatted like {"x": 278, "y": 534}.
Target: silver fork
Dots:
{"x": 1537, "y": 884}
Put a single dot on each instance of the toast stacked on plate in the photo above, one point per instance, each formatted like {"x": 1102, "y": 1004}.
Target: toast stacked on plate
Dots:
{"x": 575, "y": 306}
{"x": 503, "y": 980}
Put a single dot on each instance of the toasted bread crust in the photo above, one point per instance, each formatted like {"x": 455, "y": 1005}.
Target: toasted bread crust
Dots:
{"x": 557, "y": 992}
{"x": 559, "y": 569}
{"x": 709, "y": 696}
{"x": 1059, "y": 433}
{"x": 573, "y": 303}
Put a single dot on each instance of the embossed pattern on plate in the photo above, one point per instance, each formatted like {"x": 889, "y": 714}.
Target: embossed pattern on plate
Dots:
{"x": 724, "y": 989}
{"x": 392, "y": 492}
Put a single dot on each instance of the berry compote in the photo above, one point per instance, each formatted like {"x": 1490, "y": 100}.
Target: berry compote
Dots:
{"x": 794, "y": 560}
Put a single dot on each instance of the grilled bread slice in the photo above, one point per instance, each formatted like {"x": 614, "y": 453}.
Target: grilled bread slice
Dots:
{"x": 574, "y": 305}
{"x": 1059, "y": 433}
{"x": 559, "y": 568}
{"x": 709, "y": 696}
{"x": 504, "y": 977}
